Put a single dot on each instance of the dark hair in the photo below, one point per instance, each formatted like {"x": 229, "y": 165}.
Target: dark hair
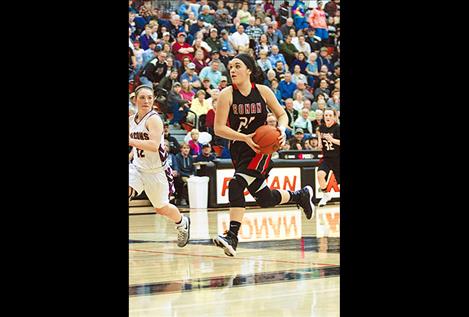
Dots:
{"x": 257, "y": 75}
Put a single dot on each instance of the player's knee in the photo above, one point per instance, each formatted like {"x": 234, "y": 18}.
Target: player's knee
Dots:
{"x": 236, "y": 192}
{"x": 266, "y": 197}
{"x": 321, "y": 174}
{"x": 163, "y": 210}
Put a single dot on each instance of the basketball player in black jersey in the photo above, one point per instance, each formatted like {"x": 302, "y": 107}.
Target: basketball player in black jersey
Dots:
{"x": 241, "y": 109}
{"x": 329, "y": 142}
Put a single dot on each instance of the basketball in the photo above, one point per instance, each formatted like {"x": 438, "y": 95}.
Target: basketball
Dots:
{"x": 267, "y": 138}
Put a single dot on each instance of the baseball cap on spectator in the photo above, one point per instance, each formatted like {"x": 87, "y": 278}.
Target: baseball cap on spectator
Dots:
{"x": 314, "y": 136}
{"x": 158, "y": 47}
{"x": 166, "y": 33}
{"x": 177, "y": 84}
{"x": 224, "y": 48}
{"x": 223, "y": 78}
{"x": 213, "y": 30}
{"x": 324, "y": 49}
{"x": 191, "y": 66}
{"x": 151, "y": 42}
{"x": 215, "y": 52}
{"x": 182, "y": 34}
{"x": 205, "y": 79}
{"x": 299, "y": 130}
{"x": 223, "y": 32}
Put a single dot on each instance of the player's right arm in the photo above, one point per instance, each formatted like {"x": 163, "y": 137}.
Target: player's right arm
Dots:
{"x": 221, "y": 117}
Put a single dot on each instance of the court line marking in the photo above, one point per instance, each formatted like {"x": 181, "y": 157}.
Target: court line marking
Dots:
{"x": 235, "y": 258}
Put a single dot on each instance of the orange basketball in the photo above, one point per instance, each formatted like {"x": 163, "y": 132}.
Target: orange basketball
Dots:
{"x": 267, "y": 138}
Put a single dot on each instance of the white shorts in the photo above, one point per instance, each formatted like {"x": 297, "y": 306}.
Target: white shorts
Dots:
{"x": 155, "y": 185}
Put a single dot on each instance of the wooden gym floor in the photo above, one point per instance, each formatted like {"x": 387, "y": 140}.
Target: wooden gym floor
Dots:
{"x": 287, "y": 266}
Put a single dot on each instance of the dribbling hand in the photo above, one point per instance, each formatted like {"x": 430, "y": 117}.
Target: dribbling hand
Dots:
{"x": 251, "y": 143}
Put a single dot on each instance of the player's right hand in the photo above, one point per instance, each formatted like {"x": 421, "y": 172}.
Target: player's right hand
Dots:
{"x": 251, "y": 143}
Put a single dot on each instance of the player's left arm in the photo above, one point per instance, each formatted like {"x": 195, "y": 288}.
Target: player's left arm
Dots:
{"x": 277, "y": 110}
{"x": 155, "y": 127}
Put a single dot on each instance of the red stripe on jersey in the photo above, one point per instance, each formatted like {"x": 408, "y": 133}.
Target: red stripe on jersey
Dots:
{"x": 266, "y": 163}
{"x": 255, "y": 162}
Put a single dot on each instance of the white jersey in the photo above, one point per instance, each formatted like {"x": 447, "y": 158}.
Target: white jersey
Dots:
{"x": 146, "y": 160}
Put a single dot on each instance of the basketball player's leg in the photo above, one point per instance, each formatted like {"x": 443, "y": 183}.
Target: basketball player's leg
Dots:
{"x": 157, "y": 190}
{"x": 135, "y": 182}
{"x": 265, "y": 197}
{"x": 229, "y": 240}
{"x": 323, "y": 171}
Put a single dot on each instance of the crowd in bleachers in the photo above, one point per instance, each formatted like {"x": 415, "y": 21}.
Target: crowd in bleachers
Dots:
{"x": 183, "y": 51}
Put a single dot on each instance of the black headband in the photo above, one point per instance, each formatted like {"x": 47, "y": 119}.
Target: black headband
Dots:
{"x": 247, "y": 60}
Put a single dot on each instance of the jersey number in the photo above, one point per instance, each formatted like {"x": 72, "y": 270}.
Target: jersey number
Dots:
{"x": 328, "y": 145}
{"x": 244, "y": 122}
{"x": 140, "y": 153}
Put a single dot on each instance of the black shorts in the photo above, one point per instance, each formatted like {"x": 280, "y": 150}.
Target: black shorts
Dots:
{"x": 329, "y": 164}
{"x": 246, "y": 161}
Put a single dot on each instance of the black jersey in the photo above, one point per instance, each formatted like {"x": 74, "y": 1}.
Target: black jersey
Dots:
{"x": 329, "y": 149}
{"x": 247, "y": 113}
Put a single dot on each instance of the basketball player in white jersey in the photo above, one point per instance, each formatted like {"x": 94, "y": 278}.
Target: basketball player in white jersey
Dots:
{"x": 149, "y": 170}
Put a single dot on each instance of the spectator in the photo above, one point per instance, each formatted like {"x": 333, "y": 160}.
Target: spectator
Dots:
{"x": 178, "y": 105}
{"x": 298, "y": 13}
{"x": 276, "y": 56}
{"x": 194, "y": 144}
{"x": 223, "y": 19}
{"x": 207, "y": 16}
{"x": 223, "y": 83}
{"x": 288, "y": 50}
{"x": 199, "y": 61}
{"x": 154, "y": 71}
{"x": 212, "y": 73}
{"x": 317, "y": 20}
{"x": 263, "y": 45}
{"x": 187, "y": 93}
{"x": 279, "y": 71}
{"x": 176, "y": 27}
{"x": 297, "y": 75}
{"x": 168, "y": 82}
{"x": 200, "y": 44}
{"x": 224, "y": 58}
{"x": 302, "y": 45}
{"x": 287, "y": 87}
{"x": 270, "y": 77}
{"x": 297, "y": 142}
{"x": 172, "y": 141}
{"x": 239, "y": 40}
{"x": 226, "y": 45}
{"x": 334, "y": 101}
{"x": 213, "y": 98}
{"x": 253, "y": 31}
{"x": 314, "y": 41}
{"x": 191, "y": 76}
{"x": 206, "y": 154}
{"x": 263, "y": 62}
{"x": 324, "y": 59}
{"x": 300, "y": 84}
{"x": 206, "y": 86}
{"x": 303, "y": 121}
{"x": 273, "y": 37}
{"x": 215, "y": 57}
{"x": 197, "y": 27}
{"x": 318, "y": 121}
{"x": 323, "y": 88}
{"x": 292, "y": 114}
{"x": 243, "y": 14}
{"x": 199, "y": 106}
{"x": 213, "y": 41}
{"x": 284, "y": 13}
{"x": 150, "y": 53}
{"x": 318, "y": 98}
{"x": 331, "y": 8}
{"x": 312, "y": 69}
{"x": 185, "y": 169}
{"x": 298, "y": 101}
{"x": 270, "y": 9}
{"x": 301, "y": 61}
{"x": 276, "y": 91}
{"x": 313, "y": 142}
{"x": 182, "y": 49}
{"x": 185, "y": 8}
{"x": 146, "y": 37}
{"x": 285, "y": 28}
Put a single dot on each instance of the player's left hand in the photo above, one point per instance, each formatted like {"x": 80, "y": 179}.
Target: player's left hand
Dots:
{"x": 282, "y": 139}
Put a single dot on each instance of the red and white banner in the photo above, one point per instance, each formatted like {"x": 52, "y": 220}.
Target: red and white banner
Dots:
{"x": 332, "y": 186}
{"x": 279, "y": 178}
{"x": 328, "y": 221}
{"x": 264, "y": 226}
